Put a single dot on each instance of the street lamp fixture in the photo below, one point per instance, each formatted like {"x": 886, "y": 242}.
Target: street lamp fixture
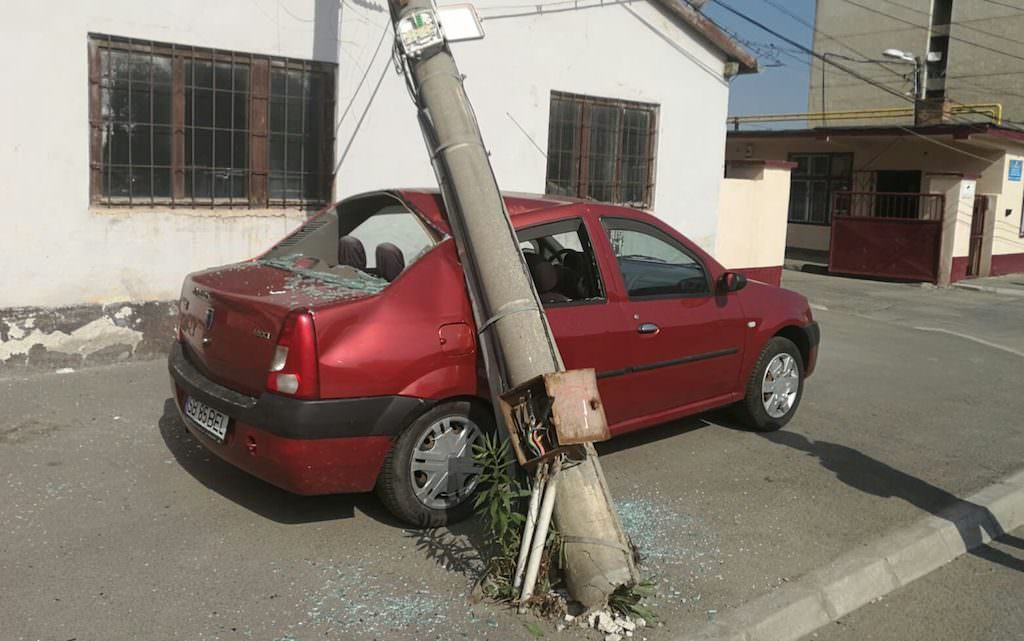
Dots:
{"x": 905, "y": 56}
{"x": 899, "y": 55}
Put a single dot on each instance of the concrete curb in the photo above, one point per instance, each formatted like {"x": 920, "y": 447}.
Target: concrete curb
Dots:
{"x": 861, "y": 576}
{"x": 1002, "y": 291}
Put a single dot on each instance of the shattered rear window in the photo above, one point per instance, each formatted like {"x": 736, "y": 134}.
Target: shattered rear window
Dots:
{"x": 330, "y": 283}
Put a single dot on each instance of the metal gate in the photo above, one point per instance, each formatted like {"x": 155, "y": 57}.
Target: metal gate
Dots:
{"x": 887, "y": 235}
{"x": 977, "y": 235}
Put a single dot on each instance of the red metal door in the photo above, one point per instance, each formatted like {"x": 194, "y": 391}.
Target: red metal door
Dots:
{"x": 887, "y": 235}
{"x": 977, "y": 235}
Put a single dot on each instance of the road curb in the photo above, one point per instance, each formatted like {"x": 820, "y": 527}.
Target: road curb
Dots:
{"x": 861, "y": 576}
{"x": 1002, "y": 291}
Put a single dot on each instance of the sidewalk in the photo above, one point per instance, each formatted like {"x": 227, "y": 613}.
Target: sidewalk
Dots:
{"x": 1009, "y": 285}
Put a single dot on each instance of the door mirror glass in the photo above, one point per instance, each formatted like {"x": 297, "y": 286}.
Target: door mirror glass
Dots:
{"x": 732, "y": 282}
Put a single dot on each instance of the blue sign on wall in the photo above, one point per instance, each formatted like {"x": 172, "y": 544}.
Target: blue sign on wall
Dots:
{"x": 1016, "y": 169}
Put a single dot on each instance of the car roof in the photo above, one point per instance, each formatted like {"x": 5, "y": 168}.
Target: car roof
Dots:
{"x": 428, "y": 202}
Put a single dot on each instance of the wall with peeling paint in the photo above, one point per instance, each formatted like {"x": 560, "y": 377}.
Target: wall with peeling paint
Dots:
{"x": 56, "y": 250}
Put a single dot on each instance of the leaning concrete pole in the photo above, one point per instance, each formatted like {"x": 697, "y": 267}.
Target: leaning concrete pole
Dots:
{"x": 514, "y": 333}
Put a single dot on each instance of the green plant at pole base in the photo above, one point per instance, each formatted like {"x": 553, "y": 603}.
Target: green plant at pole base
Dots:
{"x": 627, "y": 599}
{"x": 499, "y": 506}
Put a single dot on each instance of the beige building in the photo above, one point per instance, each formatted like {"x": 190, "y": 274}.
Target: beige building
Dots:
{"x": 936, "y": 204}
{"x": 972, "y": 52}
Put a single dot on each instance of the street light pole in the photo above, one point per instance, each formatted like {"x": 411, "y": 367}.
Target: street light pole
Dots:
{"x": 514, "y": 335}
{"x": 920, "y": 90}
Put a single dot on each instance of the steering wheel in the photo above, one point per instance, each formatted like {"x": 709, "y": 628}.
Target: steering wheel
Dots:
{"x": 559, "y": 257}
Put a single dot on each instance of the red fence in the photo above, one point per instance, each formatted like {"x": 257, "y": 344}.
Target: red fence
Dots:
{"x": 881, "y": 204}
{"x": 887, "y": 235}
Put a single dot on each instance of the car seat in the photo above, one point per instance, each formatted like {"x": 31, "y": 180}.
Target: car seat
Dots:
{"x": 545, "y": 279}
{"x": 571, "y": 281}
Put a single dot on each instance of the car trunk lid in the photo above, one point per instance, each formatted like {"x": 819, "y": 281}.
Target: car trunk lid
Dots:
{"x": 230, "y": 317}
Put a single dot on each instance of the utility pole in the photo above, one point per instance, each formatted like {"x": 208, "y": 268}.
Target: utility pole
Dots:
{"x": 514, "y": 334}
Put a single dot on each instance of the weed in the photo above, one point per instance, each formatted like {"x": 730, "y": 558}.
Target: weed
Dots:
{"x": 626, "y": 600}
{"x": 500, "y": 506}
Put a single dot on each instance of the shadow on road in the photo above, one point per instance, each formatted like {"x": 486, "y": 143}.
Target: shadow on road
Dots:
{"x": 872, "y": 476}
{"x": 252, "y": 493}
{"x": 654, "y": 434}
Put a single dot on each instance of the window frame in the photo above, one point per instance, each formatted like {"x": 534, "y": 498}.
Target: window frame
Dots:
{"x": 581, "y": 155}
{"x": 630, "y": 224}
{"x": 574, "y": 224}
{"x": 811, "y": 178}
{"x": 257, "y": 193}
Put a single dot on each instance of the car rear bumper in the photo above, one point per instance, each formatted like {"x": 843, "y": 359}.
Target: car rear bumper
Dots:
{"x": 306, "y": 447}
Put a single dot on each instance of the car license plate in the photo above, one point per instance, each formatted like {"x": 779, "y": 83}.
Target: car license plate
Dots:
{"x": 210, "y": 420}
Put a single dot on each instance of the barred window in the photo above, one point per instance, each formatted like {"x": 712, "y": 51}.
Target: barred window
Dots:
{"x": 815, "y": 180}
{"x": 602, "y": 149}
{"x": 185, "y": 126}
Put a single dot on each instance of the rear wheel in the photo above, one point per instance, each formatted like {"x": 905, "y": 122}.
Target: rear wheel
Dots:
{"x": 429, "y": 477}
{"x": 775, "y": 387}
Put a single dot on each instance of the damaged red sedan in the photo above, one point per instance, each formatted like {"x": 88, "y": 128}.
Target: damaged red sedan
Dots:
{"x": 345, "y": 358}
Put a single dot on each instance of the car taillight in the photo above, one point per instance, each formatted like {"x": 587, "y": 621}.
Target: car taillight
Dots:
{"x": 294, "y": 370}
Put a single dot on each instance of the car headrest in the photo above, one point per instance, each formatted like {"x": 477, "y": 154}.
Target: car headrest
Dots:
{"x": 390, "y": 261}
{"x": 351, "y": 252}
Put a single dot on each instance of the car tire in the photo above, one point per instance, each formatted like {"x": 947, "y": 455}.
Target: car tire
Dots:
{"x": 434, "y": 455}
{"x": 775, "y": 387}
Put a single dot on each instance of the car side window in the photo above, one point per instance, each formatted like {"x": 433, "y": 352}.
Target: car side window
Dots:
{"x": 561, "y": 261}
{"x": 652, "y": 263}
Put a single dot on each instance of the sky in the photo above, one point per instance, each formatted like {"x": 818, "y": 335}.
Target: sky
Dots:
{"x": 781, "y": 84}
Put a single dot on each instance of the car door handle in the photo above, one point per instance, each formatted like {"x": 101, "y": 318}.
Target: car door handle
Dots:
{"x": 648, "y": 328}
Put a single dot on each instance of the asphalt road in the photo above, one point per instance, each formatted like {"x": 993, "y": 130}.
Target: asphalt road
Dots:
{"x": 116, "y": 524}
{"x": 975, "y": 598}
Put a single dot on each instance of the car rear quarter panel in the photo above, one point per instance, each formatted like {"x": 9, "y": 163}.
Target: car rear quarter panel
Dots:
{"x": 415, "y": 338}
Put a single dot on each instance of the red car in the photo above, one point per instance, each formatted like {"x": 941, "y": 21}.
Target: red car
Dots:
{"x": 345, "y": 358}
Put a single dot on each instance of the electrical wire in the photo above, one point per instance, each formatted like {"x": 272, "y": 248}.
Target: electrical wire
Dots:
{"x": 919, "y": 26}
{"x": 814, "y": 29}
{"x": 859, "y": 76}
{"x": 853, "y": 73}
{"x": 1005, "y": 4}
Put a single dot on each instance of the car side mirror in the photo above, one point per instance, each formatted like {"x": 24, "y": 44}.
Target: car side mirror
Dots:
{"x": 732, "y": 282}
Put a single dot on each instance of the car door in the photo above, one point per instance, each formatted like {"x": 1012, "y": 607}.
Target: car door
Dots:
{"x": 585, "y": 324}
{"x": 683, "y": 342}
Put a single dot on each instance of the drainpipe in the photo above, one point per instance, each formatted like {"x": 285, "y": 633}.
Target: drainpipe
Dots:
{"x": 514, "y": 334}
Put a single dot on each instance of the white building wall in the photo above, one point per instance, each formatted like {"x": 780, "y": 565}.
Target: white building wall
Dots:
{"x": 629, "y": 51}
{"x": 57, "y": 250}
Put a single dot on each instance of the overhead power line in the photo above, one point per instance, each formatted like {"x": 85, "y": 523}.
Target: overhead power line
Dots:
{"x": 795, "y": 16}
{"x": 920, "y": 26}
{"x": 960, "y": 24}
{"x": 853, "y": 73}
{"x": 825, "y": 59}
{"x": 811, "y": 52}
{"x": 1005, "y": 4}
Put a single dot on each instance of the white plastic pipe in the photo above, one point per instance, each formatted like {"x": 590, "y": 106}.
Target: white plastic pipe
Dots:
{"x": 540, "y": 534}
{"x": 528, "y": 529}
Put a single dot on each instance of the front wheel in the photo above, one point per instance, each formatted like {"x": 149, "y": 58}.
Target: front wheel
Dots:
{"x": 429, "y": 477}
{"x": 775, "y": 387}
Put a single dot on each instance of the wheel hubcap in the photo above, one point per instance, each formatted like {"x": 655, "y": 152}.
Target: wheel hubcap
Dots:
{"x": 780, "y": 385}
{"x": 444, "y": 473}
